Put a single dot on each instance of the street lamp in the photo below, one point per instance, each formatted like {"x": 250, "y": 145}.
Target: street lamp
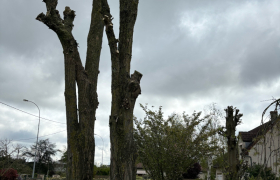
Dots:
{"x": 102, "y": 147}
{"x": 37, "y": 137}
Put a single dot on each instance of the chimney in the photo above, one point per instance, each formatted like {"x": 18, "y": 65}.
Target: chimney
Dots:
{"x": 273, "y": 116}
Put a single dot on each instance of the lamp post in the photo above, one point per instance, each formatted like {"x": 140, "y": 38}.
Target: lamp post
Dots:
{"x": 102, "y": 147}
{"x": 37, "y": 137}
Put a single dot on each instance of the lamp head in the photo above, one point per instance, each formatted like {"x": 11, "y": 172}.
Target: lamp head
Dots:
{"x": 25, "y": 100}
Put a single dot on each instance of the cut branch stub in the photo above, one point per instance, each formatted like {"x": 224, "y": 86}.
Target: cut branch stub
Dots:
{"x": 52, "y": 18}
{"x": 51, "y": 4}
{"x": 237, "y": 117}
{"x": 41, "y": 17}
{"x": 108, "y": 21}
{"x": 136, "y": 76}
{"x": 69, "y": 16}
{"x": 134, "y": 85}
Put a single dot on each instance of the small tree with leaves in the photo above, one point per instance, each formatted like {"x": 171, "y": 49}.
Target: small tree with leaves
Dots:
{"x": 46, "y": 150}
{"x": 168, "y": 147}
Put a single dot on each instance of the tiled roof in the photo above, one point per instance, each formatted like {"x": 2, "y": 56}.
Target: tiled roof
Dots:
{"x": 247, "y": 137}
{"x": 250, "y": 135}
{"x": 139, "y": 166}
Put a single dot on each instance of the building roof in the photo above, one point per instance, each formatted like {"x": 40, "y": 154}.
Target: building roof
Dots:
{"x": 246, "y": 136}
{"x": 139, "y": 166}
{"x": 250, "y": 135}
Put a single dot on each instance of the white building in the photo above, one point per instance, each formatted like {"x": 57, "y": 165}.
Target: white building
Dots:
{"x": 140, "y": 170}
{"x": 262, "y": 144}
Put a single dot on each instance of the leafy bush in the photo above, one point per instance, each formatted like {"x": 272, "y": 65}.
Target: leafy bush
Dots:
{"x": 192, "y": 173}
{"x": 138, "y": 177}
{"x": 256, "y": 170}
{"x": 102, "y": 170}
{"x": 168, "y": 147}
{"x": 8, "y": 174}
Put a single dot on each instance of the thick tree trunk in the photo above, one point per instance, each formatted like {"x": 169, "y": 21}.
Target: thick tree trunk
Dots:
{"x": 125, "y": 90}
{"x": 233, "y": 156}
{"x": 80, "y": 120}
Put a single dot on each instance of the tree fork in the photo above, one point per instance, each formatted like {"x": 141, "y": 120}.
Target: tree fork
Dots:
{"x": 80, "y": 130}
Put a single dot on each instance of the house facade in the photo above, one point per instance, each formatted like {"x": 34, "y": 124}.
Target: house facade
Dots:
{"x": 261, "y": 145}
{"x": 140, "y": 170}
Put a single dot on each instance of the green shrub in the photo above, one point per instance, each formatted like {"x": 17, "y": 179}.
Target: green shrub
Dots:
{"x": 138, "y": 177}
{"x": 256, "y": 171}
{"x": 102, "y": 170}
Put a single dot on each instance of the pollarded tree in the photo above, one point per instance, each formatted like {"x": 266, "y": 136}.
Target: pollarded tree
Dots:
{"x": 44, "y": 161}
{"x": 233, "y": 118}
{"x": 168, "y": 147}
{"x": 125, "y": 88}
{"x": 80, "y": 124}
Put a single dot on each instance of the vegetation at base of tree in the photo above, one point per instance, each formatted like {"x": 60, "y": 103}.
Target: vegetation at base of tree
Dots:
{"x": 45, "y": 163}
{"x": 138, "y": 177}
{"x": 167, "y": 147}
{"x": 63, "y": 160}
{"x": 8, "y": 174}
{"x": 257, "y": 171}
{"x": 192, "y": 173}
{"x": 102, "y": 170}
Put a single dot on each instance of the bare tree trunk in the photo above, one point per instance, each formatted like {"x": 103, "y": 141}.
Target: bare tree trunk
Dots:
{"x": 81, "y": 118}
{"x": 233, "y": 157}
{"x": 125, "y": 90}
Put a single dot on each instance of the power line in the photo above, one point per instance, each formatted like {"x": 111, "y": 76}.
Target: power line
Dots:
{"x": 39, "y": 136}
{"x": 31, "y": 114}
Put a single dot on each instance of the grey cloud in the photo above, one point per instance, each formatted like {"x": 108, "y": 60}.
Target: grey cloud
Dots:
{"x": 191, "y": 53}
{"x": 185, "y": 64}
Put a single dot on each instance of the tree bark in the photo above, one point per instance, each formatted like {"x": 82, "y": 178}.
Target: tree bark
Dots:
{"x": 125, "y": 90}
{"x": 233, "y": 157}
{"x": 80, "y": 121}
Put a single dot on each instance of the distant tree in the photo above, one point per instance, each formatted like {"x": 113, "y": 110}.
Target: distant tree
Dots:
{"x": 11, "y": 156}
{"x": 44, "y": 161}
{"x": 63, "y": 163}
{"x": 7, "y": 149}
{"x": 63, "y": 158}
{"x": 167, "y": 148}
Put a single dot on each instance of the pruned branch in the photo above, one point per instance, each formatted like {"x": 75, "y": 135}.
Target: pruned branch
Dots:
{"x": 111, "y": 35}
{"x": 51, "y": 4}
{"x": 53, "y": 20}
{"x": 134, "y": 85}
{"x": 237, "y": 117}
{"x": 69, "y": 16}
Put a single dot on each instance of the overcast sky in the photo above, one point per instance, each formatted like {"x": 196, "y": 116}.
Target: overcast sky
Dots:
{"x": 191, "y": 53}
